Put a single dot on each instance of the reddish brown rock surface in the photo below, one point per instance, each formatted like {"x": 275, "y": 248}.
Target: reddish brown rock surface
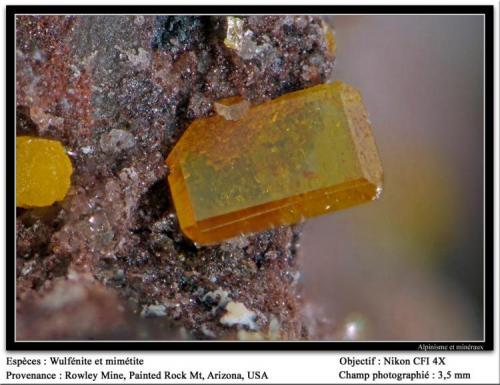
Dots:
{"x": 110, "y": 261}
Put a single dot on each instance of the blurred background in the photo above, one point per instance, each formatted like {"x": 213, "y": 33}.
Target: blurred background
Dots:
{"x": 409, "y": 266}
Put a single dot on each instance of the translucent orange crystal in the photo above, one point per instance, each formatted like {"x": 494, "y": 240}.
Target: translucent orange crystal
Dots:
{"x": 43, "y": 172}
{"x": 303, "y": 154}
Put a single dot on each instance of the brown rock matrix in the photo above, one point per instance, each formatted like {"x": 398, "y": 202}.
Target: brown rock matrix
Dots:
{"x": 109, "y": 261}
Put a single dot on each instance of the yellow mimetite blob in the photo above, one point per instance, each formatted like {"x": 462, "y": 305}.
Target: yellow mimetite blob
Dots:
{"x": 303, "y": 154}
{"x": 43, "y": 172}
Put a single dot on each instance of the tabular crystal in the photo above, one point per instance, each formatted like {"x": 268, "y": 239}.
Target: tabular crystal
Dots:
{"x": 303, "y": 154}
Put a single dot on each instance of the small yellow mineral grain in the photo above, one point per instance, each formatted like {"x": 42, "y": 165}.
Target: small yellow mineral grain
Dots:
{"x": 232, "y": 108}
{"x": 331, "y": 43}
{"x": 43, "y": 172}
{"x": 234, "y": 32}
{"x": 303, "y": 154}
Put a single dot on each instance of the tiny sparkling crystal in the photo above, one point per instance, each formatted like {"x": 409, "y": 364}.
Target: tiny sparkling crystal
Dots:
{"x": 303, "y": 154}
{"x": 43, "y": 172}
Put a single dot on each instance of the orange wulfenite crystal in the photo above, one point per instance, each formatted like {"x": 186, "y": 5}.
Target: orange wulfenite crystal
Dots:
{"x": 303, "y": 154}
{"x": 43, "y": 172}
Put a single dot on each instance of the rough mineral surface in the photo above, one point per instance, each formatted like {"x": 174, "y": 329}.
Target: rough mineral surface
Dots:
{"x": 43, "y": 172}
{"x": 110, "y": 261}
{"x": 303, "y": 154}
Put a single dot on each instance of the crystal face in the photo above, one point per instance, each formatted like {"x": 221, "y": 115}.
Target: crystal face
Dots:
{"x": 303, "y": 154}
{"x": 43, "y": 172}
